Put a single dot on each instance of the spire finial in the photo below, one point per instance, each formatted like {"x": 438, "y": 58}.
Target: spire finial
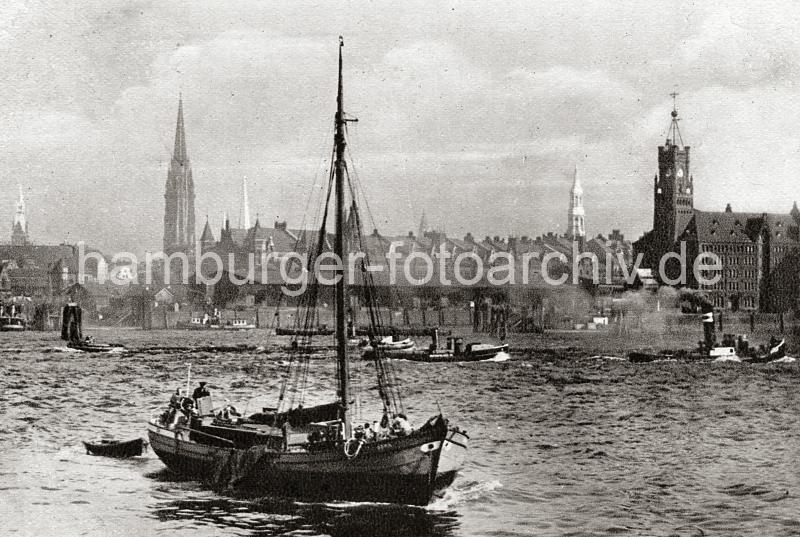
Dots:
{"x": 576, "y": 181}
{"x": 674, "y": 96}
{"x": 674, "y": 136}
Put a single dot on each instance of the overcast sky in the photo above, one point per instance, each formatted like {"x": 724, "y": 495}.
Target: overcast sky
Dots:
{"x": 475, "y": 112}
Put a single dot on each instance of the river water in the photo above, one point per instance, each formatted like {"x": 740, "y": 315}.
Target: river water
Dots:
{"x": 588, "y": 446}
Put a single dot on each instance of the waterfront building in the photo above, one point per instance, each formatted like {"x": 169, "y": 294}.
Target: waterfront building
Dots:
{"x": 750, "y": 245}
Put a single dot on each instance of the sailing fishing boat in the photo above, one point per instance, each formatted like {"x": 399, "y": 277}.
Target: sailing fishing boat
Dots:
{"x": 317, "y": 452}
{"x": 72, "y": 332}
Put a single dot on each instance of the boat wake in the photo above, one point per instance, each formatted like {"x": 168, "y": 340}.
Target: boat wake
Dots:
{"x": 63, "y": 349}
{"x": 467, "y": 492}
{"x": 500, "y": 357}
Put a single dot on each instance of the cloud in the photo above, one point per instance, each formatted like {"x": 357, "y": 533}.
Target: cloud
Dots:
{"x": 740, "y": 45}
{"x": 473, "y": 111}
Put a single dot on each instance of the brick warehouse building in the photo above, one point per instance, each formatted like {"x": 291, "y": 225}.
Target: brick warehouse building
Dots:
{"x": 751, "y": 246}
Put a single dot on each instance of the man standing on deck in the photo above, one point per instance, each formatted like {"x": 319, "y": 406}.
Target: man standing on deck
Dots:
{"x": 200, "y": 392}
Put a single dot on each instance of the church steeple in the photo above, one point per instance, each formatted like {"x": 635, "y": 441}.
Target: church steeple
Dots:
{"x": 19, "y": 229}
{"x": 576, "y": 225}
{"x": 244, "y": 214}
{"x": 179, "y": 214}
{"x": 179, "y": 151}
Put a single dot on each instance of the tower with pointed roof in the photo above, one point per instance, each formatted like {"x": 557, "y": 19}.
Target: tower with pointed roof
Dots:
{"x": 423, "y": 225}
{"x": 244, "y": 214}
{"x": 673, "y": 188}
{"x": 207, "y": 241}
{"x": 179, "y": 231}
{"x": 19, "y": 229}
{"x": 575, "y": 225}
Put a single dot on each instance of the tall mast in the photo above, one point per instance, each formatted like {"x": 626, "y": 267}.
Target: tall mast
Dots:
{"x": 338, "y": 248}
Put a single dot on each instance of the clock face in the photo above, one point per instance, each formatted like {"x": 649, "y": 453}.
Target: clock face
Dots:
{"x": 680, "y": 172}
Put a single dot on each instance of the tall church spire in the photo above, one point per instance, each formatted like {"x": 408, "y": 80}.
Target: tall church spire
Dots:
{"x": 575, "y": 225}
{"x": 244, "y": 215}
{"x": 179, "y": 151}
{"x": 179, "y": 214}
{"x": 19, "y": 216}
{"x": 19, "y": 229}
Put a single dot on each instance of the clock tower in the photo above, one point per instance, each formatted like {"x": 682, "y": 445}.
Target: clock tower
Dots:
{"x": 673, "y": 189}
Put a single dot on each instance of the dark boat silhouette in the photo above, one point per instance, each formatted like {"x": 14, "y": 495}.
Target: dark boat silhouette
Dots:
{"x": 72, "y": 332}
{"x": 732, "y": 348}
{"x": 116, "y": 448}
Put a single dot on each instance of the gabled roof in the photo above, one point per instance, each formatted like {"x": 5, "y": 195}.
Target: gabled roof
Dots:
{"x": 723, "y": 226}
{"x": 735, "y": 227}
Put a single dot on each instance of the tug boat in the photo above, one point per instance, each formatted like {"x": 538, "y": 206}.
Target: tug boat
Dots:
{"x": 318, "y": 452}
{"x": 454, "y": 351}
{"x": 72, "y": 332}
{"x": 732, "y": 348}
{"x": 206, "y": 322}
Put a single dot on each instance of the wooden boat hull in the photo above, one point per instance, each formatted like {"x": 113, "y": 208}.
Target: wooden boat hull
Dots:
{"x": 646, "y": 357}
{"x": 94, "y": 347}
{"x": 401, "y": 470}
{"x": 131, "y": 448}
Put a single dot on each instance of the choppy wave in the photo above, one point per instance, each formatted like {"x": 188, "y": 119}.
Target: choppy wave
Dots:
{"x": 558, "y": 446}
